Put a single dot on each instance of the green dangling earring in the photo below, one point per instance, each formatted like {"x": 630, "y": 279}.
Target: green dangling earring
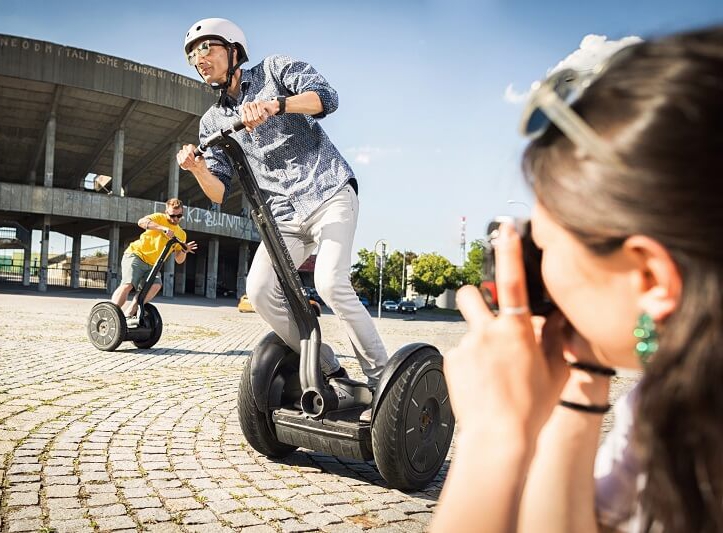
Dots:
{"x": 647, "y": 337}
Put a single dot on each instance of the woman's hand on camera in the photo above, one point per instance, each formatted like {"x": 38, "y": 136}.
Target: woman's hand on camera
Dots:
{"x": 503, "y": 376}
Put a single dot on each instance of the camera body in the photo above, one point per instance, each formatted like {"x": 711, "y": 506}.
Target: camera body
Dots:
{"x": 539, "y": 300}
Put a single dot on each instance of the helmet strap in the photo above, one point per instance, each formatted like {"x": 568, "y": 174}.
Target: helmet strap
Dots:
{"x": 223, "y": 98}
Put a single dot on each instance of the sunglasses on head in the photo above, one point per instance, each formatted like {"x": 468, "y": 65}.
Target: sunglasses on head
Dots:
{"x": 551, "y": 101}
{"x": 202, "y": 50}
{"x": 173, "y": 215}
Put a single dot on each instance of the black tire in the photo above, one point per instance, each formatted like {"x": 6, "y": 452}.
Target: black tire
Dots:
{"x": 413, "y": 425}
{"x": 155, "y": 322}
{"x": 257, "y": 427}
{"x": 106, "y": 326}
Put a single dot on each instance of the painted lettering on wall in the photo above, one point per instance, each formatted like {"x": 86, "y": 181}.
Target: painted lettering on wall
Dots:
{"x": 212, "y": 219}
{"x": 100, "y": 60}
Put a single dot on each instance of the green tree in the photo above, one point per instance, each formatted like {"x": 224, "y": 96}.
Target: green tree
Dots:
{"x": 472, "y": 269}
{"x": 393, "y": 267}
{"x": 365, "y": 274}
{"x": 433, "y": 274}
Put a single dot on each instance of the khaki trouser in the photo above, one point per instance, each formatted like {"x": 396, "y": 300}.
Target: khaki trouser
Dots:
{"x": 331, "y": 228}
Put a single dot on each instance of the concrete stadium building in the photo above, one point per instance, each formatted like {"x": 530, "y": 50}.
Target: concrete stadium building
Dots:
{"x": 87, "y": 147}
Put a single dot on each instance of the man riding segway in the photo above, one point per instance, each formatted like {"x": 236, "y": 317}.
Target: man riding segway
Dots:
{"x": 311, "y": 189}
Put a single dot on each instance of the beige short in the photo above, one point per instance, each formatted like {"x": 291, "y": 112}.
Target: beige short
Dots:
{"x": 135, "y": 271}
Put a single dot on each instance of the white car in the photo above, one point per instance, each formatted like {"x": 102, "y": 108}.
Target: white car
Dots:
{"x": 389, "y": 305}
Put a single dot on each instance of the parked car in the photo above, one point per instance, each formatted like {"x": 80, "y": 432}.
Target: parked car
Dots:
{"x": 244, "y": 305}
{"x": 389, "y": 305}
{"x": 364, "y": 300}
{"x": 313, "y": 295}
{"x": 407, "y": 307}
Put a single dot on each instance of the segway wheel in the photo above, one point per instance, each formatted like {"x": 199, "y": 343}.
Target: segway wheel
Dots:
{"x": 413, "y": 426}
{"x": 106, "y": 326}
{"x": 257, "y": 426}
{"x": 153, "y": 321}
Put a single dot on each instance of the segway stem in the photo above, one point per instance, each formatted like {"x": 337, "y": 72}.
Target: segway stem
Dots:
{"x": 154, "y": 271}
{"x": 318, "y": 397}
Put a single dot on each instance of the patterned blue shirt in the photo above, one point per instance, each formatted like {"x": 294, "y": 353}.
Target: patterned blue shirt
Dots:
{"x": 295, "y": 163}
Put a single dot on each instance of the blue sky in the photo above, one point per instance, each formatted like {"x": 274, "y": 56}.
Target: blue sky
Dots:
{"x": 422, "y": 117}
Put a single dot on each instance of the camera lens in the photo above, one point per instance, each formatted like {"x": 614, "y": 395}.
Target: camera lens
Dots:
{"x": 539, "y": 300}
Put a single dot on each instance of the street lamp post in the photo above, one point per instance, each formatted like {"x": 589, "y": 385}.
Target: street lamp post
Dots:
{"x": 381, "y": 249}
{"x": 404, "y": 271}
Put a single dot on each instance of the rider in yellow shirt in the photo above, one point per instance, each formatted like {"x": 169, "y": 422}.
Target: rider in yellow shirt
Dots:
{"x": 141, "y": 254}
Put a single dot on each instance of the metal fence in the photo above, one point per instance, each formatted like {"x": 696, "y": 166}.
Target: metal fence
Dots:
{"x": 91, "y": 277}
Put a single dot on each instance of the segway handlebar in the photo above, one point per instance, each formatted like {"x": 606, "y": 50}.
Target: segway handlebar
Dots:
{"x": 218, "y": 137}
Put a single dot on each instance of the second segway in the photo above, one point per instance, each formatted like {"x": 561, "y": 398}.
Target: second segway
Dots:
{"x": 108, "y": 327}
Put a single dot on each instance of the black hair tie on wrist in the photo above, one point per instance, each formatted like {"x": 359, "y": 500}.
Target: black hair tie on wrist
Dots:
{"x": 592, "y": 368}
{"x": 594, "y": 409}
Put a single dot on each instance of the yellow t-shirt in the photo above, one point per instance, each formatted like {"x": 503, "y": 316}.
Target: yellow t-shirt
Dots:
{"x": 151, "y": 242}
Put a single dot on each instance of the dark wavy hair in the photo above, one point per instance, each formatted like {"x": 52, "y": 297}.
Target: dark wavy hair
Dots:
{"x": 661, "y": 107}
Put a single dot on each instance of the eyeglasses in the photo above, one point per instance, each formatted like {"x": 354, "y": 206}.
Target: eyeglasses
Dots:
{"x": 174, "y": 215}
{"x": 551, "y": 102}
{"x": 202, "y": 50}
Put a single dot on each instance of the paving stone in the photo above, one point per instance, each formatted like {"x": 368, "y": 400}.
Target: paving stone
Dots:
{"x": 181, "y": 504}
{"x": 104, "y": 498}
{"x": 63, "y": 503}
{"x": 144, "y": 503}
{"x": 79, "y": 525}
{"x": 203, "y": 516}
{"x": 115, "y": 523}
{"x": 19, "y": 513}
{"x": 321, "y": 519}
{"x": 168, "y": 527}
{"x": 107, "y": 510}
{"x": 294, "y": 526}
{"x": 225, "y": 506}
{"x": 22, "y": 499}
{"x": 27, "y": 524}
{"x": 61, "y": 491}
{"x": 152, "y": 515}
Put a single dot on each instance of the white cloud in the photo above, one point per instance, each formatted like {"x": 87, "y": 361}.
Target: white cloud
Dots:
{"x": 593, "y": 49}
{"x": 364, "y": 155}
{"x": 512, "y": 96}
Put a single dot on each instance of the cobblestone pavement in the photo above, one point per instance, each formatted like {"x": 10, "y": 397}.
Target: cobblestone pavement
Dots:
{"x": 149, "y": 440}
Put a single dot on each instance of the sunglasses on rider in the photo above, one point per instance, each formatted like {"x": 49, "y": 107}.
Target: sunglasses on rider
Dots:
{"x": 175, "y": 215}
{"x": 551, "y": 101}
{"x": 202, "y": 50}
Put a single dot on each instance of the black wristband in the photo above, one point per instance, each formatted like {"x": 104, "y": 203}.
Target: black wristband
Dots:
{"x": 282, "y": 105}
{"x": 594, "y": 409}
{"x": 592, "y": 368}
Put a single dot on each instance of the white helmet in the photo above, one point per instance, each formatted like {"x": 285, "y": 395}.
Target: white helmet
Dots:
{"x": 220, "y": 28}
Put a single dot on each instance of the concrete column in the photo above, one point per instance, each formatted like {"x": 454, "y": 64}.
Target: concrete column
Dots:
{"x": 242, "y": 272}
{"x": 118, "y": 151}
{"x": 44, "y": 248}
{"x": 212, "y": 268}
{"x": 200, "y": 278}
{"x": 169, "y": 270}
{"x": 180, "y": 280}
{"x": 49, "y": 151}
{"x": 26, "y": 259}
{"x": 113, "y": 258}
{"x": 75, "y": 262}
{"x": 173, "y": 170}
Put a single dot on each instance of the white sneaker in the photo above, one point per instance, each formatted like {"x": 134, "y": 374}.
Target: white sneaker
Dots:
{"x": 132, "y": 321}
{"x": 366, "y": 416}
